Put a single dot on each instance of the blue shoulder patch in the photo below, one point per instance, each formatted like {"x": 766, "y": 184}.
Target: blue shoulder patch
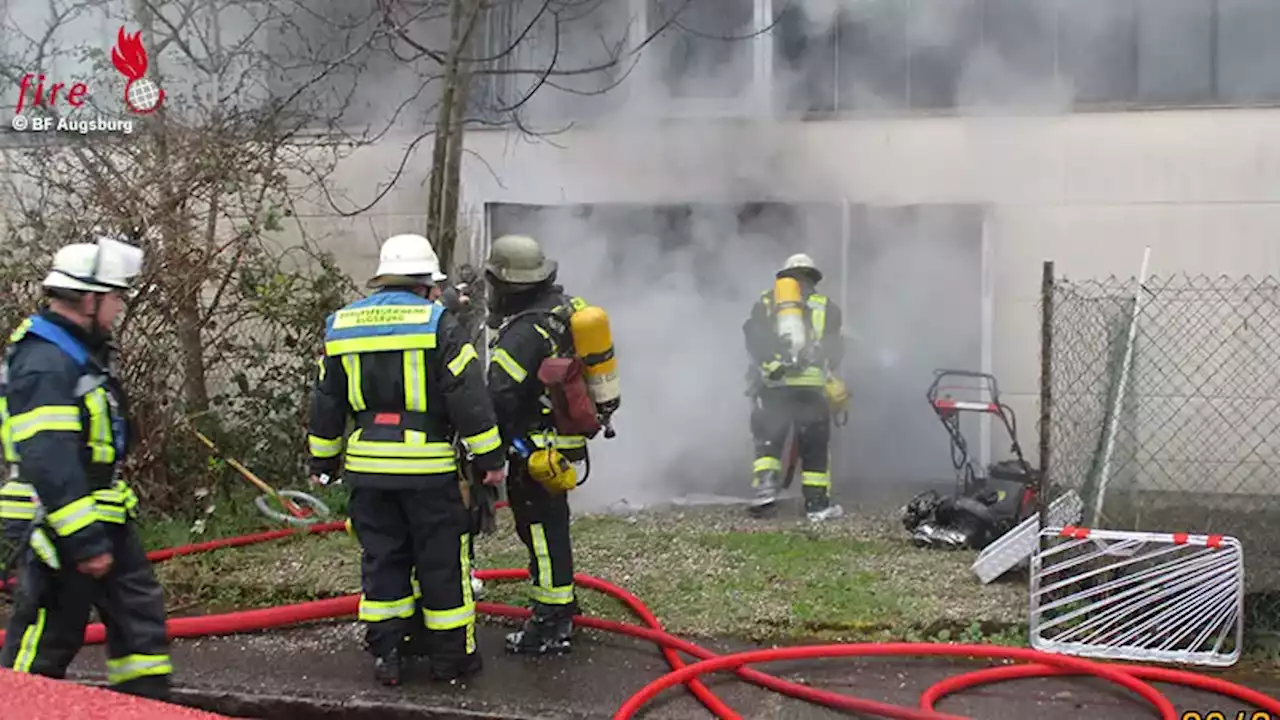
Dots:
{"x": 59, "y": 337}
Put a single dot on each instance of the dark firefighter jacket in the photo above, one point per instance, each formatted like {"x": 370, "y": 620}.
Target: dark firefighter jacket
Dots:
{"x": 521, "y": 344}
{"x": 402, "y": 369}
{"x": 65, "y": 430}
{"x": 769, "y": 352}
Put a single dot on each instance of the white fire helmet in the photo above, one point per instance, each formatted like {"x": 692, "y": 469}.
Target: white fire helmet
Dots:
{"x": 409, "y": 255}
{"x": 106, "y": 265}
{"x": 801, "y": 261}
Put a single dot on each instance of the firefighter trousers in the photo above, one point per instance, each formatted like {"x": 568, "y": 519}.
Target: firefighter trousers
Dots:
{"x": 423, "y": 535}
{"x": 776, "y": 412}
{"x": 52, "y": 608}
{"x": 542, "y": 522}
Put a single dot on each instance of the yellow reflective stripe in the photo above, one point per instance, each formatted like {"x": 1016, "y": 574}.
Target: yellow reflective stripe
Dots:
{"x": 382, "y": 315}
{"x": 324, "y": 447}
{"x": 30, "y": 642}
{"x": 380, "y": 610}
{"x": 561, "y": 442}
{"x": 398, "y": 466}
{"x": 460, "y": 616}
{"x": 816, "y": 479}
{"x": 811, "y": 376}
{"x": 484, "y": 442}
{"x": 27, "y": 425}
{"x": 100, "y": 446}
{"x": 544, "y": 591}
{"x": 15, "y": 489}
{"x": 320, "y": 362}
{"x": 17, "y": 510}
{"x": 465, "y": 356}
{"x": 116, "y": 515}
{"x": 388, "y": 449}
{"x": 508, "y": 363}
{"x": 74, "y": 516}
{"x": 415, "y": 381}
{"x": 44, "y": 548}
{"x": 382, "y": 343}
{"x": 20, "y": 331}
{"x": 417, "y": 589}
{"x": 818, "y": 313}
{"x": 355, "y": 393}
{"x": 555, "y": 348}
{"x": 6, "y": 432}
{"x": 132, "y": 667}
{"x": 766, "y": 463}
{"x": 468, "y": 597}
{"x": 562, "y": 595}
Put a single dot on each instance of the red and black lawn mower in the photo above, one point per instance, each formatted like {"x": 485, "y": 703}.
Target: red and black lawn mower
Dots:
{"x": 985, "y": 504}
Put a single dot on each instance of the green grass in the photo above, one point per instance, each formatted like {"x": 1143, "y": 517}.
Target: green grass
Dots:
{"x": 703, "y": 572}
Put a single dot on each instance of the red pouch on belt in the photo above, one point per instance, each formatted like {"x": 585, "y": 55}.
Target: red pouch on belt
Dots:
{"x": 572, "y": 409}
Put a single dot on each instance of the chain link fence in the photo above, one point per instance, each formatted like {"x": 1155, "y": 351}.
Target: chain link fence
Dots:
{"x": 1188, "y": 439}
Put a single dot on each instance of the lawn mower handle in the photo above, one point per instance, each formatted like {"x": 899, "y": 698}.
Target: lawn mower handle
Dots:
{"x": 938, "y": 375}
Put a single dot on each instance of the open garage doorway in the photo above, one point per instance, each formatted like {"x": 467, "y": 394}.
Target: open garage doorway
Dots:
{"x": 679, "y": 280}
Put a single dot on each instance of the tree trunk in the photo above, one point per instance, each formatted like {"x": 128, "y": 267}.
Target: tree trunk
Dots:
{"x": 450, "y": 125}
{"x": 440, "y": 148}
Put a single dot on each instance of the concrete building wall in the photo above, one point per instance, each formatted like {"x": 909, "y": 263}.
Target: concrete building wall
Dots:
{"x": 1088, "y": 191}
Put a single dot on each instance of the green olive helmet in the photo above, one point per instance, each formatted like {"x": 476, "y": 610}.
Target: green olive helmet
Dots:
{"x": 519, "y": 260}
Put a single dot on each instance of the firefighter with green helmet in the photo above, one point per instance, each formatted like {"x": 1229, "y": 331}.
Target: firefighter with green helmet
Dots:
{"x": 528, "y": 311}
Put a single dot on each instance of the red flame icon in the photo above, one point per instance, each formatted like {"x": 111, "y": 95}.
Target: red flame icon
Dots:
{"x": 141, "y": 95}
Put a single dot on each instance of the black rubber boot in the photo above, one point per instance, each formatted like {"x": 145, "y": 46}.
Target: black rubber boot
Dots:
{"x": 415, "y": 645}
{"x": 457, "y": 670}
{"x": 548, "y": 632}
{"x": 155, "y": 687}
{"x": 386, "y": 669}
{"x": 765, "y": 504}
{"x": 817, "y": 504}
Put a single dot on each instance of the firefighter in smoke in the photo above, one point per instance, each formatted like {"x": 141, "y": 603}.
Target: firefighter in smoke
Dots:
{"x": 401, "y": 367}
{"x": 538, "y": 325}
{"x": 66, "y": 433}
{"x": 793, "y": 338}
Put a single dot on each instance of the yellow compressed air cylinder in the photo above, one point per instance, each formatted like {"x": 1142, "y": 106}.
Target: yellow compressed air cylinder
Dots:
{"x": 788, "y": 304}
{"x": 593, "y": 343}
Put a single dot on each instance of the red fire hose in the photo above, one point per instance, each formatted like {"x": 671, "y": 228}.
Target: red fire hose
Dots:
{"x": 1042, "y": 664}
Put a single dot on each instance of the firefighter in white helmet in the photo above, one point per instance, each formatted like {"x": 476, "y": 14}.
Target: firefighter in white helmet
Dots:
{"x": 793, "y": 338}
{"x": 66, "y": 432}
{"x": 401, "y": 365}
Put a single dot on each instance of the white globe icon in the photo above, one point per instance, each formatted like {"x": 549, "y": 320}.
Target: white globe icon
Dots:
{"x": 142, "y": 95}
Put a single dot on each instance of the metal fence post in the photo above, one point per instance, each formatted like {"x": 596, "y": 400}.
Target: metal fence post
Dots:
{"x": 1046, "y": 387}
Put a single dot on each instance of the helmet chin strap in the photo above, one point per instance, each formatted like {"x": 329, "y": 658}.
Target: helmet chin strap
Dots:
{"x": 97, "y": 329}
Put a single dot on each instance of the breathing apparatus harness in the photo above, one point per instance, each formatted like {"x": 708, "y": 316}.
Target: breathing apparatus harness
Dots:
{"x": 547, "y": 465}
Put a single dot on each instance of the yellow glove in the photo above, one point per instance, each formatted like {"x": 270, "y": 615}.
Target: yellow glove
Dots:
{"x": 837, "y": 394}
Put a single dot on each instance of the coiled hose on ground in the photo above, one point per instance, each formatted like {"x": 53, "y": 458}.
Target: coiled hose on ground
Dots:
{"x": 1131, "y": 677}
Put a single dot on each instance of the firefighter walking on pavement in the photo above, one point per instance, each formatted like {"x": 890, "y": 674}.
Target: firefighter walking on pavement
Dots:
{"x": 793, "y": 338}
{"x": 535, "y": 328}
{"x": 401, "y": 368}
{"x": 66, "y": 432}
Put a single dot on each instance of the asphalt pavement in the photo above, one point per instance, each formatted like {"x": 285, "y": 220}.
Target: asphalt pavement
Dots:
{"x": 319, "y": 671}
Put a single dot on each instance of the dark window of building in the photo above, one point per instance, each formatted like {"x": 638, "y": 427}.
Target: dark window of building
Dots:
{"x": 1175, "y": 51}
{"x": 873, "y": 56}
{"x": 1248, "y": 46}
